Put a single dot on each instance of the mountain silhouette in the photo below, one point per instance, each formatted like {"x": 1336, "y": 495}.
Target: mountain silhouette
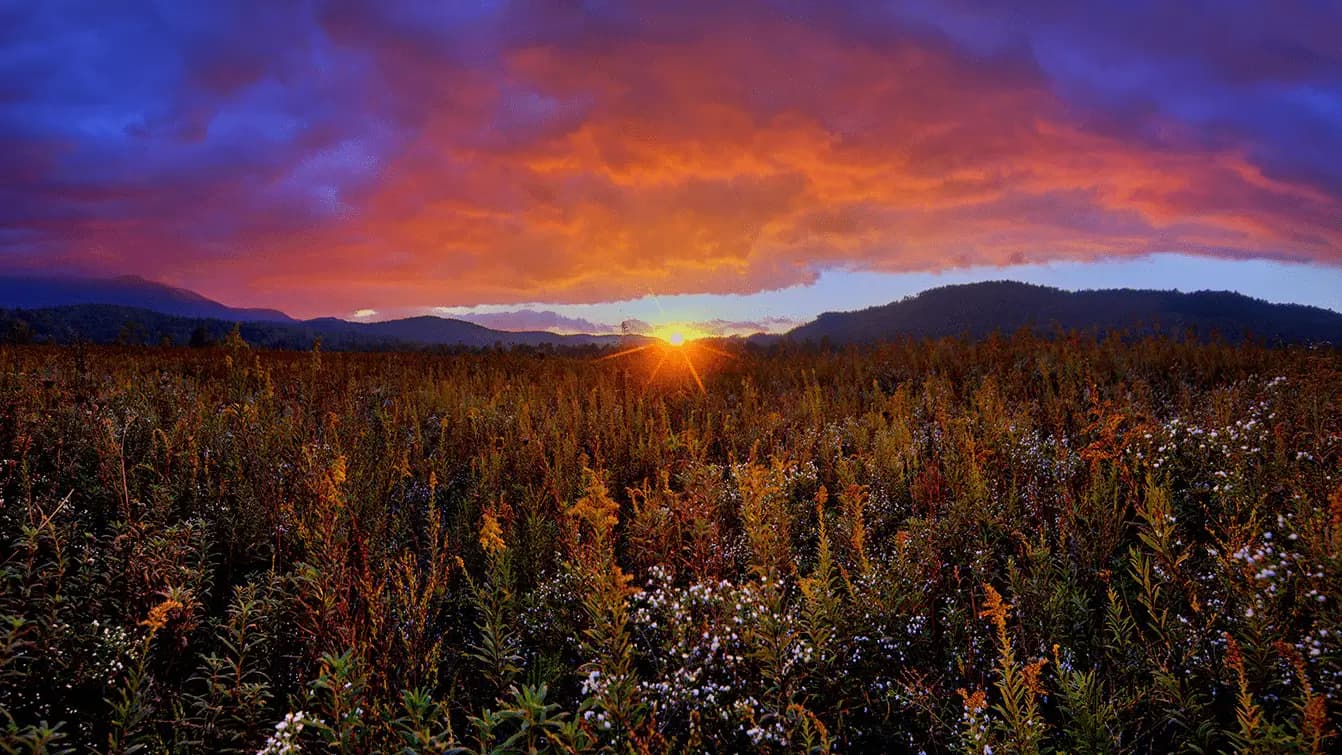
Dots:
{"x": 37, "y": 292}
{"x": 433, "y": 331}
{"x": 111, "y": 323}
{"x": 979, "y": 309}
{"x": 136, "y": 311}
{"x": 130, "y": 309}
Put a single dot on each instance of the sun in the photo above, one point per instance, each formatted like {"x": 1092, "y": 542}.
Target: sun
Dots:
{"x": 677, "y": 344}
{"x": 678, "y": 334}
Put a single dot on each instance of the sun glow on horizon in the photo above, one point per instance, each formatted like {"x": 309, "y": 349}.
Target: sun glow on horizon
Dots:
{"x": 675, "y": 344}
{"x": 678, "y": 334}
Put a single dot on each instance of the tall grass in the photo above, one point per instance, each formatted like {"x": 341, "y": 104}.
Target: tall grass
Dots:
{"x": 1017, "y": 545}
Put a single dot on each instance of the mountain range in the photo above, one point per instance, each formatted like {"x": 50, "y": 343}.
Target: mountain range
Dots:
{"x": 36, "y": 292}
{"x": 978, "y": 309}
{"x": 135, "y": 310}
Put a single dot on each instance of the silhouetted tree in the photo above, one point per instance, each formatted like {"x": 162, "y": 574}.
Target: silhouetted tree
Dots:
{"x": 20, "y": 332}
{"x": 200, "y": 337}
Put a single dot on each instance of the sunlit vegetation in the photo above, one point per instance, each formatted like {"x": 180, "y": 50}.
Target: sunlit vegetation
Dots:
{"x": 1017, "y": 545}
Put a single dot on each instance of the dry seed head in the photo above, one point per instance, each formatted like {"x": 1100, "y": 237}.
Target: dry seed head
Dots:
{"x": 159, "y": 614}
{"x": 1316, "y": 719}
{"x": 491, "y": 535}
{"x": 338, "y": 471}
{"x": 994, "y": 607}
{"x": 1235, "y": 659}
{"x": 596, "y": 508}
{"x": 1031, "y": 674}
{"x": 974, "y": 701}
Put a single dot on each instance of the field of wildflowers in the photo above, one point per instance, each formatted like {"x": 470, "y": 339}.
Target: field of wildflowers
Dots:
{"x": 1016, "y": 545}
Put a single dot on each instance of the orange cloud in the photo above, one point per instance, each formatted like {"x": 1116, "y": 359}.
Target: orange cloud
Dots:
{"x": 745, "y": 157}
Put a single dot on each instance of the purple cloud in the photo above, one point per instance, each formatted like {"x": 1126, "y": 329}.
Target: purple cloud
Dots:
{"x": 530, "y": 319}
{"x": 330, "y": 156}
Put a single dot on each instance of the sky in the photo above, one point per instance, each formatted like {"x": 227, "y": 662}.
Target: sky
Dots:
{"x": 571, "y": 164}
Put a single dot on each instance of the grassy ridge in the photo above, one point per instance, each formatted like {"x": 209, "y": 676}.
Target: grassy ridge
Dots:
{"x": 1020, "y": 544}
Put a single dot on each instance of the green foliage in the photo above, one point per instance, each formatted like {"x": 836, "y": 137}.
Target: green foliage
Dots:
{"x": 497, "y": 650}
{"x": 425, "y": 726}
{"x": 236, "y": 701}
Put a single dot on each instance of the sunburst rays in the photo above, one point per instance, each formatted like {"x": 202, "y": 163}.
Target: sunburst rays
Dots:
{"x": 627, "y": 352}
{"x": 682, "y": 350}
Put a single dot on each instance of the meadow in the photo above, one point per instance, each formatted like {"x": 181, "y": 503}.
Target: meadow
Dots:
{"x": 1013, "y": 545}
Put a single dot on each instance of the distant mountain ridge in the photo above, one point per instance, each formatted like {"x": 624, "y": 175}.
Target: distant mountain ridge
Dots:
{"x": 133, "y": 310}
{"x": 111, "y": 323}
{"x": 41, "y": 292}
{"x": 979, "y": 309}
{"x": 427, "y": 330}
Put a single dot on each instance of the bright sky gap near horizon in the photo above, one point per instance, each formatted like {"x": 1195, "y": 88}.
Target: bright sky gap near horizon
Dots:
{"x": 750, "y": 164}
{"x": 1279, "y": 282}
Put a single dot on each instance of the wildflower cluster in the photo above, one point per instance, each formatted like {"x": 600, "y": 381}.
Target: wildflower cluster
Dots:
{"x": 285, "y": 740}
